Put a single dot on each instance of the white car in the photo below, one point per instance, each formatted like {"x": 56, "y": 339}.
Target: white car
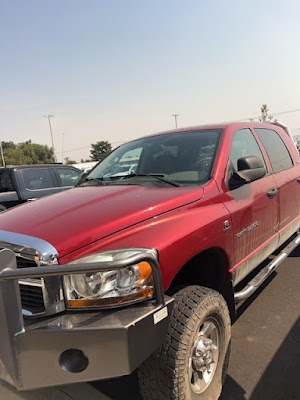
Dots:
{"x": 125, "y": 169}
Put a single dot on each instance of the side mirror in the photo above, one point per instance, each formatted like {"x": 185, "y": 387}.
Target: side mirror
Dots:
{"x": 250, "y": 169}
{"x": 236, "y": 181}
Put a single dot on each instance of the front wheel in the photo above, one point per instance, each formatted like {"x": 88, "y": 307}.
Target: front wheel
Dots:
{"x": 192, "y": 362}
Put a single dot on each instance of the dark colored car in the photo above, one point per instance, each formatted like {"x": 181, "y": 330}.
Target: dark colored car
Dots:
{"x": 21, "y": 183}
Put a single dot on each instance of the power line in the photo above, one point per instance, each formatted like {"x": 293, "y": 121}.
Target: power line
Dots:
{"x": 273, "y": 114}
{"x": 236, "y": 120}
{"x": 86, "y": 147}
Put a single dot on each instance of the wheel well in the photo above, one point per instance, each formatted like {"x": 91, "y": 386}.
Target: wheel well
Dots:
{"x": 210, "y": 269}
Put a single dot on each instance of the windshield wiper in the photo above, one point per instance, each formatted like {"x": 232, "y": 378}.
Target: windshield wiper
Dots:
{"x": 98, "y": 181}
{"x": 156, "y": 176}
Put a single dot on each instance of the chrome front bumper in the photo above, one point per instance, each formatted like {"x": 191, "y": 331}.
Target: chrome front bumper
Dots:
{"x": 76, "y": 347}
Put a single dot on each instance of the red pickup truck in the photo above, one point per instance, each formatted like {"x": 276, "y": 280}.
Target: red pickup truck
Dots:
{"x": 146, "y": 270}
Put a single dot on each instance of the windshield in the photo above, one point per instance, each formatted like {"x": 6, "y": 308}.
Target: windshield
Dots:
{"x": 185, "y": 158}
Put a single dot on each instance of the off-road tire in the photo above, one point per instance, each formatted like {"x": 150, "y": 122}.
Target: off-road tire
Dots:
{"x": 165, "y": 375}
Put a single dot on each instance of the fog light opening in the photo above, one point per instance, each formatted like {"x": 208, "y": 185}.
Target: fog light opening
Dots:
{"x": 73, "y": 360}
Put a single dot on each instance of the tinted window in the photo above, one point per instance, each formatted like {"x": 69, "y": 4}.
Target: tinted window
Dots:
{"x": 244, "y": 144}
{"x": 68, "y": 176}
{"x": 278, "y": 153}
{"x": 5, "y": 182}
{"x": 36, "y": 179}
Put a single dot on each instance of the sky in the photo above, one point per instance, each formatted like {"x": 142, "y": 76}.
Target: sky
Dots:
{"x": 117, "y": 70}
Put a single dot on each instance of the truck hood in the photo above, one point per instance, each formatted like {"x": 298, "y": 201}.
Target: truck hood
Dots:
{"x": 75, "y": 218}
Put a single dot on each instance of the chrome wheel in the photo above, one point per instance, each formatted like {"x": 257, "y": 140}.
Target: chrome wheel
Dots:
{"x": 192, "y": 362}
{"x": 204, "y": 356}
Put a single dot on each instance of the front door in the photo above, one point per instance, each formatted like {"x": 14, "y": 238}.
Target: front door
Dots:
{"x": 254, "y": 212}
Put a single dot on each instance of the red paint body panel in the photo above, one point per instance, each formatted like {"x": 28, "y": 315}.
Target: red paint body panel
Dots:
{"x": 178, "y": 234}
{"x": 247, "y": 205}
{"x": 73, "y": 219}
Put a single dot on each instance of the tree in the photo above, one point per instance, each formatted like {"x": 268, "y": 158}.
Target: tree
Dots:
{"x": 100, "y": 150}
{"x": 68, "y": 161}
{"x": 265, "y": 116}
{"x": 26, "y": 153}
{"x": 37, "y": 153}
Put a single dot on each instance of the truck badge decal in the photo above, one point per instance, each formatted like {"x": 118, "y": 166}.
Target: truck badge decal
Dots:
{"x": 226, "y": 226}
{"x": 248, "y": 229}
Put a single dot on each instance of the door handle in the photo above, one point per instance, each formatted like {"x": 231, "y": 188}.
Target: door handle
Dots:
{"x": 298, "y": 180}
{"x": 272, "y": 192}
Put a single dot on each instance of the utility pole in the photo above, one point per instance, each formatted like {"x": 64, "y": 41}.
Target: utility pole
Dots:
{"x": 175, "y": 116}
{"x": 50, "y": 127}
{"x": 62, "y": 147}
{"x": 3, "y": 162}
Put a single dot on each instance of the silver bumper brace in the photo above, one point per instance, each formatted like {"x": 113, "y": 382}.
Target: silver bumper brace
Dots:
{"x": 81, "y": 346}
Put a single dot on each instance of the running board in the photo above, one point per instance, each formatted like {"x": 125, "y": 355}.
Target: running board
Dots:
{"x": 264, "y": 273}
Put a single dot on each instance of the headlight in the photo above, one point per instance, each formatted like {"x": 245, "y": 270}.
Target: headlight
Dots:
{"x": 110, "y": 288}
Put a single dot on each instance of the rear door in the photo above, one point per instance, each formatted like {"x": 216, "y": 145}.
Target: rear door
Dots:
{"x": 286, "y": 172}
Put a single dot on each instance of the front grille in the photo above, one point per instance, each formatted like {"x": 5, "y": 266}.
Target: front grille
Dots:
{"x": 25, "y": 262}
{"x": 32, "y": 298}
{"x": 31, "y": 290}
{"x": 39, "y": 297}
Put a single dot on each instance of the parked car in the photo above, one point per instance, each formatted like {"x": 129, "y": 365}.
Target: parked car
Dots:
{"x": 123, "y": 170}
{"x": 21, "y": 183}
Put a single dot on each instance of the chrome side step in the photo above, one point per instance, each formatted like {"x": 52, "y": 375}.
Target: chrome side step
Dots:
{"x": 264, "y": 273}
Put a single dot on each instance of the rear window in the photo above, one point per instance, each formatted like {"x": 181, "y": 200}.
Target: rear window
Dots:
{"x": 36, "y": 179}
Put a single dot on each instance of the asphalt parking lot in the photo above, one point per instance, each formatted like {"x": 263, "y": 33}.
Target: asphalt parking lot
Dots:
{"x": 265, "y": 356}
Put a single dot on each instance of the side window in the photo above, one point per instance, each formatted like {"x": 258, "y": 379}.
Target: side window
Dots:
{"x": 36, "y": 179}
{"x": 278, "y": 153}
{"x": 244, "y": 144}
{"x": 68, "y": 176}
